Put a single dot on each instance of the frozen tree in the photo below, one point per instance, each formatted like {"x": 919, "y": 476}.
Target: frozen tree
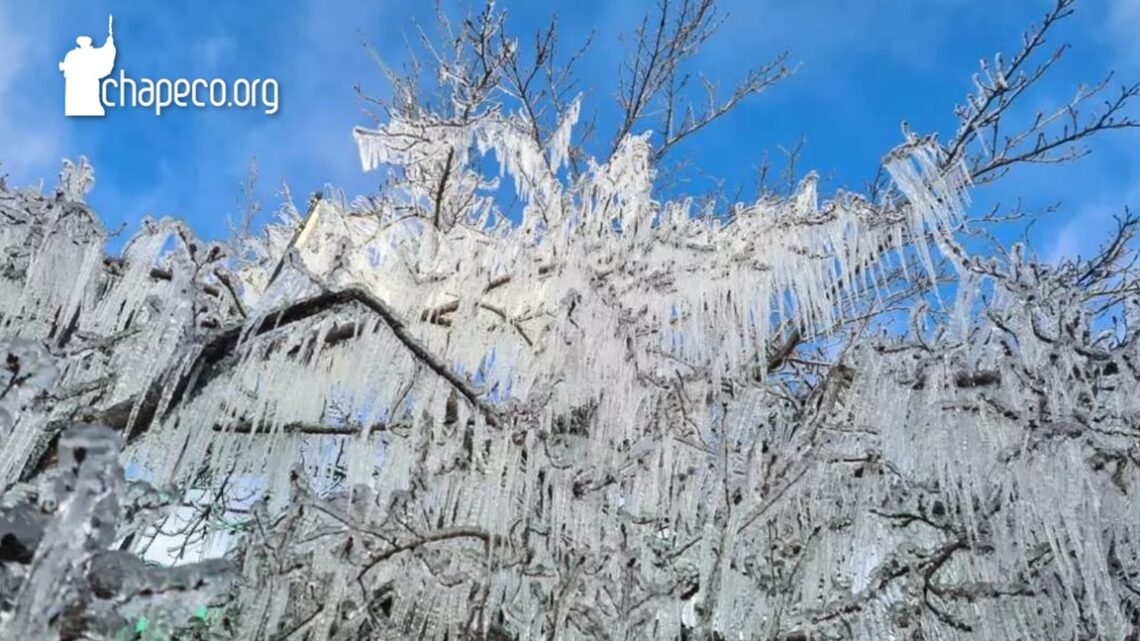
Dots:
{"x": 622, "y": 415}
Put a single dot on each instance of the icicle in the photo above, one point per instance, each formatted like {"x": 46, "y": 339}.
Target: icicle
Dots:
{"x": 559, "y": 145}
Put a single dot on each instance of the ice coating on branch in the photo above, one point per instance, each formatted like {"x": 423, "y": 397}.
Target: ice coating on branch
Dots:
{"x": 110, "y": 324}
{"x": 934, "y": 187}
{"x": 598, "y": 325}
{"x": 561, "y": 140}
{"x": 72, "y": 583}
{"x": 420, "y": 420}
{"x": 76, "y": 180}
{"x": 57, "y": 258}
{"x": 30, "y": 372}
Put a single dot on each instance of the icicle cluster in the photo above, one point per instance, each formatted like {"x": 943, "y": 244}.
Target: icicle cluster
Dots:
{"x": 431, "y": 423}
{"x": 110, "y": 326}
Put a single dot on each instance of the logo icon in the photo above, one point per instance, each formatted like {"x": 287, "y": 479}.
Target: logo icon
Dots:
{"x": 83, "y": 67}
{"x": 90, "y": 89}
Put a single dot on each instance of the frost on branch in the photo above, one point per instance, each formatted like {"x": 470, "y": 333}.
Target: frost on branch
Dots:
{"x": 564, "y": 434}
{"x": 76, "y": 180}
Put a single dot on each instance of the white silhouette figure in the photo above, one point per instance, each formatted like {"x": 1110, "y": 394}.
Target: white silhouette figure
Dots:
{"x": 82, "y": 69}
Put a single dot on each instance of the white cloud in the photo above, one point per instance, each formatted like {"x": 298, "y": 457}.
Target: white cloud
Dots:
{"x": 26, "y": 152}
{"x": 210, "y": 52}
{"x": 1098, "y": 198}
{"x": 1092, "y": 223}
{"x": 1123, "y": 24}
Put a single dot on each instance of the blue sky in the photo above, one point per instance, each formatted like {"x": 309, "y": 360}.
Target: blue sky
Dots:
{"x": 864, "y": 66}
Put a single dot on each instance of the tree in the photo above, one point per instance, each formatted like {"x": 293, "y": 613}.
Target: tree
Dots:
{"x": 620, "y": 417}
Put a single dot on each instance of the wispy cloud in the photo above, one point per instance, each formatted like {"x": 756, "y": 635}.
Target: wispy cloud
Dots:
{"x": 1101, "y": 186}
{"x": 211, "y": 52}
{"x": 25, "y": 151}
{"x": 1123, "y": 23}
{"x": 1090, "y": 226}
